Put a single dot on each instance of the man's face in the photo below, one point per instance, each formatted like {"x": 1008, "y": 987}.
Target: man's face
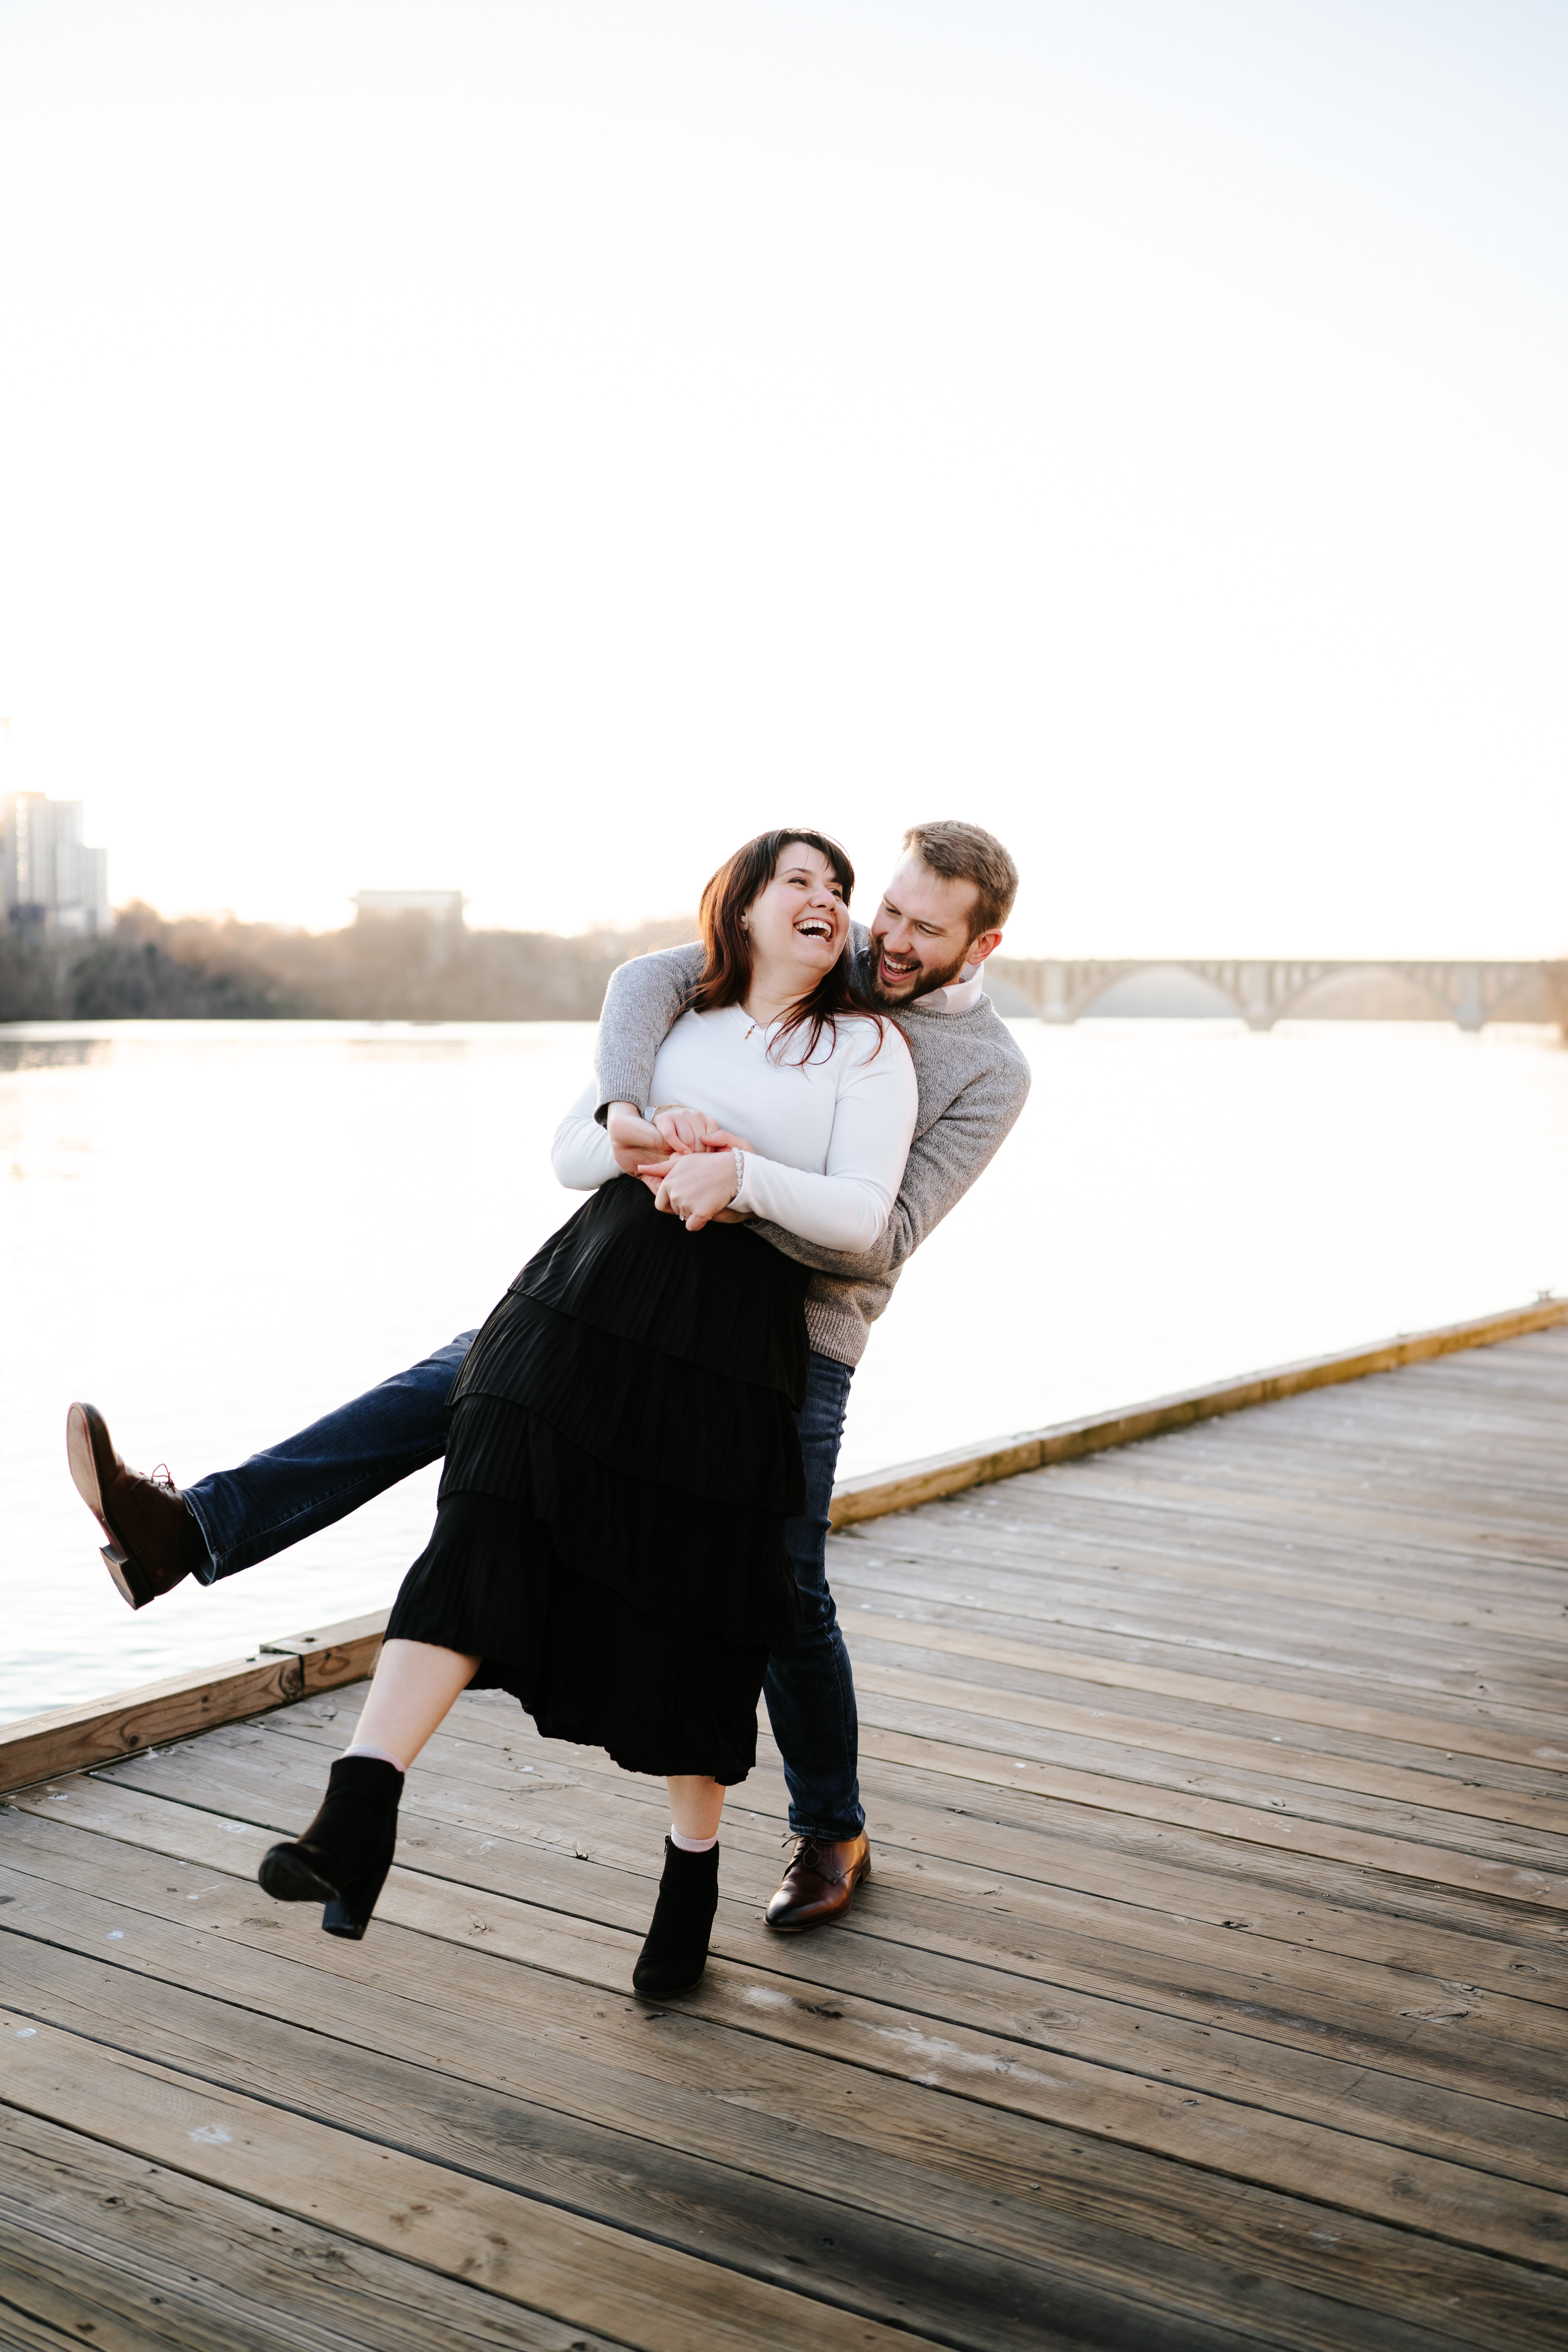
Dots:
{"x": 921, "y": 934}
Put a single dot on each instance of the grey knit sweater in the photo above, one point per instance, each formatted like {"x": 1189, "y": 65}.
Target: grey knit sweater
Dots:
{"x": 972, "y": 1079}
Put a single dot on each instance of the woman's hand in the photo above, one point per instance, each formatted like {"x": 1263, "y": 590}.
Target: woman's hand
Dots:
{"x": 719, "y": 1140}
{"x": 697, "y": 1186}
{"x": 685, "y": 1129}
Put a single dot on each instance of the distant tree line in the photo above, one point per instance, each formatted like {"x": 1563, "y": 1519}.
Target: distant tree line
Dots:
{"x": 404, "y": 967}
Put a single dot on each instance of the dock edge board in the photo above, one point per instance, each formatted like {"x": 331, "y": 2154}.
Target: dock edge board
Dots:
{"x": 74, "y": 1739}
{"x": 105, "y": 1731}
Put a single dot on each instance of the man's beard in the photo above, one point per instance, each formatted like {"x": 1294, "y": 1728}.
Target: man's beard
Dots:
{"x": 926, "y": 983}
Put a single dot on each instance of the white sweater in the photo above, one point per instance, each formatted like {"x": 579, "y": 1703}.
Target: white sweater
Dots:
{"x": 831, "y": 1135}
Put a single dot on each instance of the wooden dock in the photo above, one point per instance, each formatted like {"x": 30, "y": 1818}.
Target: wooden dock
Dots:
{"x": 1211, "y": 1991}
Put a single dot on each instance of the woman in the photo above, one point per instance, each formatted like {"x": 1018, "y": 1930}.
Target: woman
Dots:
{"x": 609, "y": 1534}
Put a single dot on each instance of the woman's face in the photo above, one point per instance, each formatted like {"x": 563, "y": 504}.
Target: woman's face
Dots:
{"x": 799, "y": 924}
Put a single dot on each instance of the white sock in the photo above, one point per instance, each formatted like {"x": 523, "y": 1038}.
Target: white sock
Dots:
{"x": 693, "y": 1845}
{"x": 381, "y": 1755}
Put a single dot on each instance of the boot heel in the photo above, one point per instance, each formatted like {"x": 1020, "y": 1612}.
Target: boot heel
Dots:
{"x": 348, "y": 1914}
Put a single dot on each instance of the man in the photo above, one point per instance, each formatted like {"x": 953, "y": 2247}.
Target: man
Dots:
{"x": 922, "y": 961}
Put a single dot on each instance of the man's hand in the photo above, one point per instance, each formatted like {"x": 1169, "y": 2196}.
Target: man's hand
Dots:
{"x": 632, "y": 1139}
{"x": 697, "y": 1186}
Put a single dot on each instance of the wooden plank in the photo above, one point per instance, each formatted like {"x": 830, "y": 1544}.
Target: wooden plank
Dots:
{"x": 569, "y": 2128}
{"x": 1236, "y": 1555}
{"x": 1286, "y": 1459}
{"x": 1339, "y": 2167}
{"x": 1402, "y": 1857}
{"x": 1069, "y": 1517}
{"x": 900, "y": 2226}
{"x": 1259, "y": 1772}
{"x": 474, "y": 1707}
{"x": 1438, "y": 1810}
{"x": 568, "y": 2046}
{"x": 1381, "y": 1462}
{"x": 568, "y": 2265}
{"x": 1093, "y": 1533}
{"x": 1482, "y": 1939}
{"x": 1278, "y": 2269}
{"x": 241, "y": 2281}
{"x": 1229, "y": 1518}
{"x": 1542, "y": 1625}
{"x": 115, "y": 2251}
{"x": 1275, "y": 1969}
{"x": 495, "y": 1795}
{"x": 1281, "y": 1465}
{"x": 1396, "y": 2043}
{"x": 1198, "y": 1875}
{"x": 71, "y": 1738}
{"x": 1449, "y": 1780}
{"x": 1323, "y": 1540}
{"x": 1310, "y": 1807}
{"x": 27, "y": 2333}
{"x": 872, "y": 1496}
{"x": 934, "y": 1989}
{"x": 1505, "y": 2119}
{"x": 1145, "y": 1610}
{"x": 1477, "y": 1735}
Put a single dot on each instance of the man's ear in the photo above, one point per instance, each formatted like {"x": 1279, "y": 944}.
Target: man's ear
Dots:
{"x": 985, "y": 944}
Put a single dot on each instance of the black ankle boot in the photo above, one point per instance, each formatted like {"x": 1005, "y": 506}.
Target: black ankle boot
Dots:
{"x": 676, "y": 1953}
{"x": 344, "y": 1855}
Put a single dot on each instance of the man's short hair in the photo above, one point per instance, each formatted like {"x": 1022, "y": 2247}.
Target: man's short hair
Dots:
{"x": 967, "y": 853}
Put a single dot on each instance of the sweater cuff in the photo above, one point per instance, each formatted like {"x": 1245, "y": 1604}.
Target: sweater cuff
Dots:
{"x": 620, "y": 1081}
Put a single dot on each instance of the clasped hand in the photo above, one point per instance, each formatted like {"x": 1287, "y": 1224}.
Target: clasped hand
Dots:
{"x": 686, "y": 1159}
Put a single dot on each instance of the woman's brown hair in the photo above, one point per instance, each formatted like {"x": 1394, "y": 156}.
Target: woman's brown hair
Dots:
{"x": 726, "y": 977}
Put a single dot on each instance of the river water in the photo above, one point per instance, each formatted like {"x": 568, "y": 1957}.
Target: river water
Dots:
{"x": 215, "y": 1231}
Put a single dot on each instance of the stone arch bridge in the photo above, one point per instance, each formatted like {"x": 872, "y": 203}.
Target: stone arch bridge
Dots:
{"x": 1263, "y": 991}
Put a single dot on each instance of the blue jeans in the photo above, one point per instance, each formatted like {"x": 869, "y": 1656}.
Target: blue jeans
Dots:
{"x": 311, "y": 1480}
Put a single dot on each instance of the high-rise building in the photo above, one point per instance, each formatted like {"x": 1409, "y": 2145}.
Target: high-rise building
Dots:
{"x": 51, "y": 883}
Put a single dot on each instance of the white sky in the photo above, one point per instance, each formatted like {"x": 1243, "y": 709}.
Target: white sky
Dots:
{"x": 528, "y": 447}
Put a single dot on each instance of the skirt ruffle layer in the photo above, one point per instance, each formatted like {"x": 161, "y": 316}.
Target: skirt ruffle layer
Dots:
{"x": 720, "y": 1299}
{"x": 674, "y": 1555}
{"x": 609, "y": 1535}
{"x": 643, "y": 1412}
{"x": 588, "y": 1664}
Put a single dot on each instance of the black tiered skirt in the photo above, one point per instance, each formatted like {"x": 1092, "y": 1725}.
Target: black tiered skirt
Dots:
{"x": 622, "y": 1457}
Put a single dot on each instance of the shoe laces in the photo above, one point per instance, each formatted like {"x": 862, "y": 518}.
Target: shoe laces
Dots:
{"x": 164, "y": 1476}
{"x": 808, "y": 1851}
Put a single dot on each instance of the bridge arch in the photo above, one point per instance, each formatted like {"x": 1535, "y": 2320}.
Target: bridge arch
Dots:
{"x": 1168, "y": 991}
{"x": 1368, "y": 992}
{"x": 1262, "y": 991}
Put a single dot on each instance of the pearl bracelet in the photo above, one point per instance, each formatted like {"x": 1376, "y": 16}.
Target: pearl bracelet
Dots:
{"x": 740, "y": 1159}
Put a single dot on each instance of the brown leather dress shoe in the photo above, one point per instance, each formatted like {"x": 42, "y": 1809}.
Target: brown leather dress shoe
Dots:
{"x": 153, "y": 1539}
{"x": 819, "y": 1883}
